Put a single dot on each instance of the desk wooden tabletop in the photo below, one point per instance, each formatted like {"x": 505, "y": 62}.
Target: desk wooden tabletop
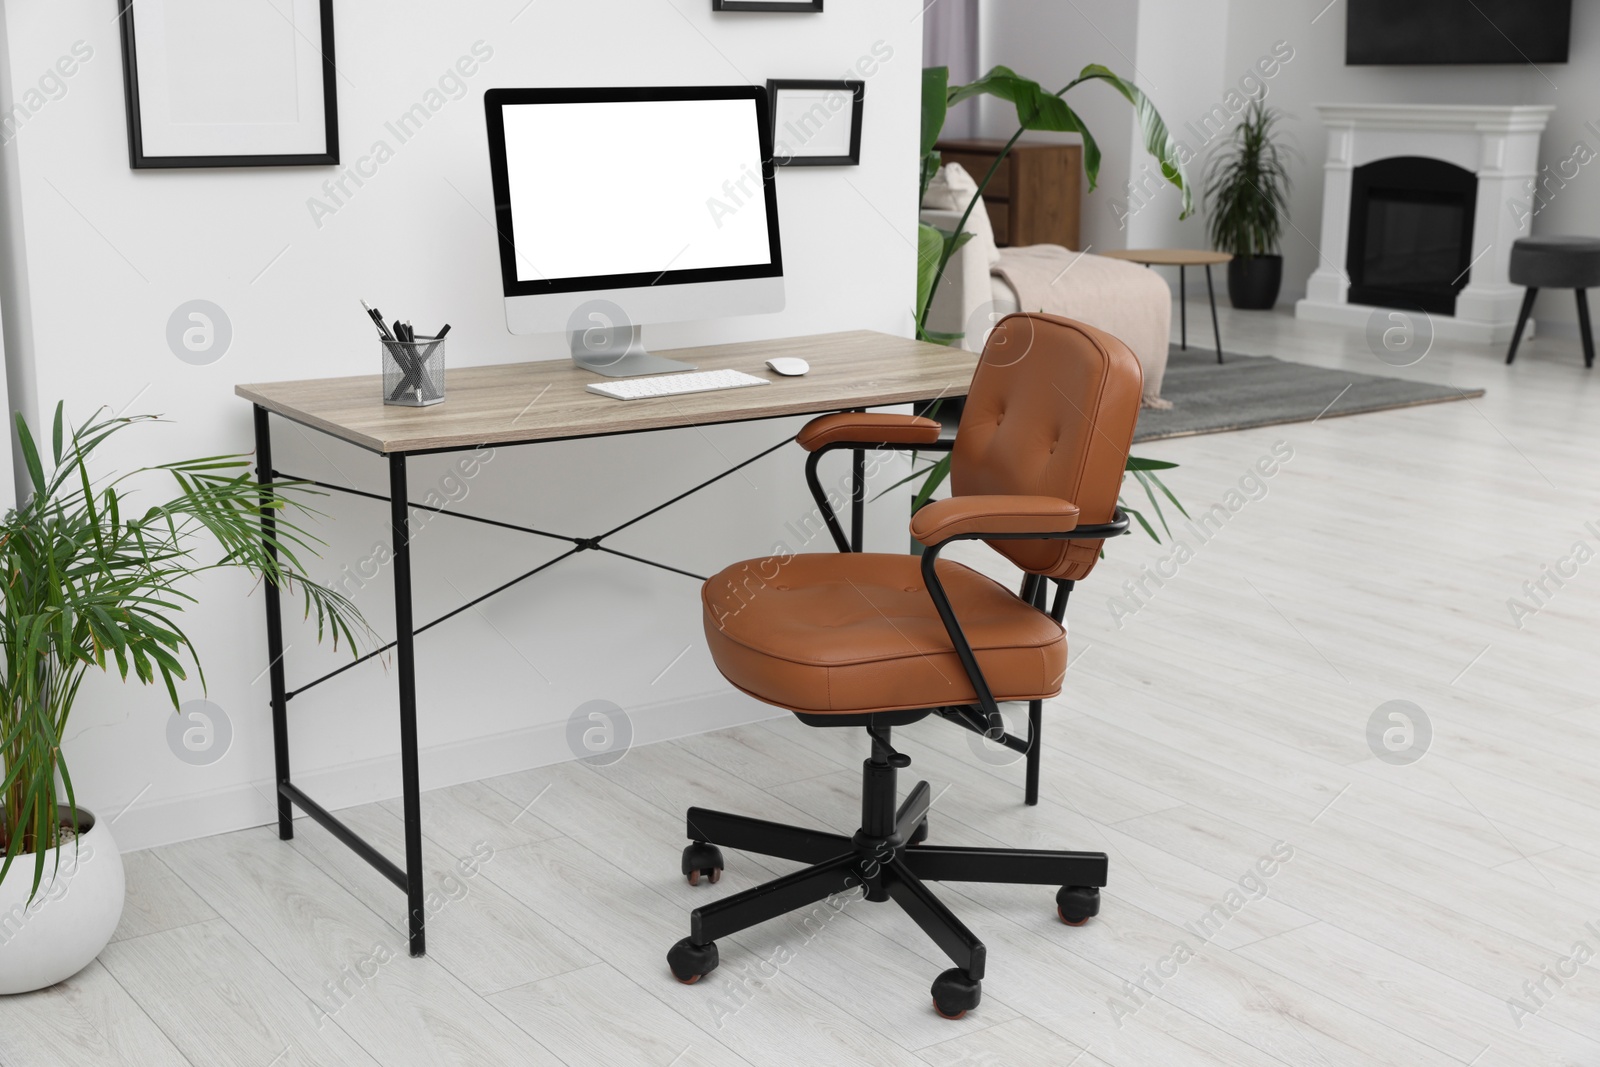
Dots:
{"x": 547, "y": 400}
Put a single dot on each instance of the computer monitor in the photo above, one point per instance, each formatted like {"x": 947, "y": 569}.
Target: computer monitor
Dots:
{"x": 620, "y": 207}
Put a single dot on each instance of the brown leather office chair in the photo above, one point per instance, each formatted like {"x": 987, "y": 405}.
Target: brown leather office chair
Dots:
{"x": 879, "y": 641}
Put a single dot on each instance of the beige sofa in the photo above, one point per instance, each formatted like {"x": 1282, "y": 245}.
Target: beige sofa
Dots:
{"x": 983, "y": 283}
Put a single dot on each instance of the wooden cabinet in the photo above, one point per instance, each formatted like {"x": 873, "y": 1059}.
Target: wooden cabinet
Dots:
{"x": 1033, "y": 198}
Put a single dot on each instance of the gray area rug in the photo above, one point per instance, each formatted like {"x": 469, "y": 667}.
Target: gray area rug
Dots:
{"x": 1248, "y": 391}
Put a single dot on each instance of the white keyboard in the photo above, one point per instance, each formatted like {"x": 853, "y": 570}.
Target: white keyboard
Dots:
{"x": 703, "y": 381}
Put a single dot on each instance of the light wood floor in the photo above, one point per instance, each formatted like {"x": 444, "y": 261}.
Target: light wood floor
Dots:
{"x": 1224, "y": 719}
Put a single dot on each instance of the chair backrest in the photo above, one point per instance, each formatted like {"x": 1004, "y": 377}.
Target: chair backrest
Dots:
{"x": 1050, "y": 412}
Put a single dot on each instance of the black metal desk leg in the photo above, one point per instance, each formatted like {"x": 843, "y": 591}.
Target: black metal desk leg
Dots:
{"x": 1216, "y": 331}
{"x": 1183, "y": 307}
{"x": 858, "y": 498}
{"x": 1583, "y": 327}
{"x": 400, "y": 530}
{"x": 280, "y": 700}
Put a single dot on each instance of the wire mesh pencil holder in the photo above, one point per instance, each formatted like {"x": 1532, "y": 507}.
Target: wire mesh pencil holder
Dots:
{"x": 413, "y": 372}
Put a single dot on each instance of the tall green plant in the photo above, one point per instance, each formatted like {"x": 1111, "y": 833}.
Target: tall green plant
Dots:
{"x": 1037, "y": 109}
{"x": 1247, "y": 187}
{"x": 87, "y": 584}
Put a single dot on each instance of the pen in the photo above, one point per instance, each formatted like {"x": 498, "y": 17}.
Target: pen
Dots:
{"x": 426, "y": 384}
{"x": 377, "y": 319}
{"x": 406, "y": 358}
{"x": 401, "y": 339}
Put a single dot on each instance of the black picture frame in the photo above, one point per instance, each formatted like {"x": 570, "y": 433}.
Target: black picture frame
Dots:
{"x": 808, "y": 7}
{"x": 855, "y": 88}
{"x": 330, "y": 108}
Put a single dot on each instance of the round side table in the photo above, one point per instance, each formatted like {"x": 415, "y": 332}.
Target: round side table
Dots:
{"x": 1181, "y": 258}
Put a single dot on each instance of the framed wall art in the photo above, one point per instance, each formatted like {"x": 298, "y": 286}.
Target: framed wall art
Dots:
{"x": 816, "y": 123}
{"x": 241, "y": 85}
{"x": 766, "y": 5}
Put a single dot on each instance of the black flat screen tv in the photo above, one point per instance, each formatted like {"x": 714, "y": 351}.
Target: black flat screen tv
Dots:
{"x": 1405, "y": 32}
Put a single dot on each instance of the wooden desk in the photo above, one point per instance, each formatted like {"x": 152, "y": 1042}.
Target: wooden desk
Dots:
{"x": 525, "y": 403}
{"x": 517, "y": 403}
{"x": 1181, "y": 258}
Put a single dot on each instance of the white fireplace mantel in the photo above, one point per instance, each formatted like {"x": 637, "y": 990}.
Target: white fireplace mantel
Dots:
{"x": 1498, "y": 144}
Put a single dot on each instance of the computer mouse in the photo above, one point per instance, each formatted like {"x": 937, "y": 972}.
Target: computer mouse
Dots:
{"x": 789, "y": 366}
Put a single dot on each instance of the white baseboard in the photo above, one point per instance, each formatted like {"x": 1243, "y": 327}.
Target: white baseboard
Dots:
{"x": 164, "y": 822}
{"x": 1447, "y": 327}
{"x": 1563, "y": 328}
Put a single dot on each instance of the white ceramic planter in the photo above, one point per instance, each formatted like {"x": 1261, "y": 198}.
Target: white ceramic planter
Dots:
{"x": 71, "y": 918}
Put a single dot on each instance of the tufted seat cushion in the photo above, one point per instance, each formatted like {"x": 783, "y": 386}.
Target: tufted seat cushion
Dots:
{"x": 1556, "y": 262}
{"x": 857, "y": 632}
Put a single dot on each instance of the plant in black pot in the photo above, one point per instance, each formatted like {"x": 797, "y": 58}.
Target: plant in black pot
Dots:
{"x": 1247, "y": 193}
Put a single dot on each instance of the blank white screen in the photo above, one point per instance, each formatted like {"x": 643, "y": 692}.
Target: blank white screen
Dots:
{"x": 634, "y": 186}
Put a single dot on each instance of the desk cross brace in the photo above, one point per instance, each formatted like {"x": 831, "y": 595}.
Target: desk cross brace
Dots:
{"x": 289, "y": 796}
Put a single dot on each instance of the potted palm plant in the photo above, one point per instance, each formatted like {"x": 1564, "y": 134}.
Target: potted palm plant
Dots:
{"x": 1247, "y": 192}
{"x": 90, "y": 583}
{"x": 1037, "y": 109}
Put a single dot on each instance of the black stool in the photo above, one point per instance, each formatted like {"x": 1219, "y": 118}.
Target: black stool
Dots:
{"x": 1555, "y": 263}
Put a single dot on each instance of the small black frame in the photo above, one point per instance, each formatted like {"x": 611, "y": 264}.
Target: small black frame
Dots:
{"x": 330, "y": 111}
{"x": 854, "y": 88}
{"x": 766, "y": 5}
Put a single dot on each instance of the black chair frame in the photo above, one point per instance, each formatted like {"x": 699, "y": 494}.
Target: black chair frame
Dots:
{"x": 1035, "y": 590}
{"x": 886, "y": 857}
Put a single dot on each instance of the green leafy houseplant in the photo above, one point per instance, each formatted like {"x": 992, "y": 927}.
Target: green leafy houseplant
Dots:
{"x": 88, "y": 584}
{"x": 1247, "y": 194}
{"x": 1037, "y": 109}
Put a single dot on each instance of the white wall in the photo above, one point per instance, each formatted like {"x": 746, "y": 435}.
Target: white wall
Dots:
{"x": 1050, "y": 42}
{"x": 114, "y": 252}
{"x": 1172, "y": 49}
{"x": 1181, "y": 49}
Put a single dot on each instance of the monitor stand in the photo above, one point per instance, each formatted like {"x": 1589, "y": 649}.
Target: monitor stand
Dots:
{"x": 616, "y": 353}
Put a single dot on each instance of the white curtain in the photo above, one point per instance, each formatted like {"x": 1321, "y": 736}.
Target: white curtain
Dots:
{"x": 950, "y": 39}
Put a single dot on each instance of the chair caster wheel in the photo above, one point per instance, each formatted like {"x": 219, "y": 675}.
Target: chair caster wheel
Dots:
{"x": 954, "y": 994}
{"x": 1077, "y": 904}
{"x": 920, "y": 834}
{"x": 691, "y": 962}
{"x": 700, "y": 859}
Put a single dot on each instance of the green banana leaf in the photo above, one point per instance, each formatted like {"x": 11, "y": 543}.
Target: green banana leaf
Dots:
{"x": 1037, "y": 109}
{"x": 1158, "y": 141}
{"x": 935, "y": 93}
{"x": 930, "y": 247}
{"x": 1040, "y": 110}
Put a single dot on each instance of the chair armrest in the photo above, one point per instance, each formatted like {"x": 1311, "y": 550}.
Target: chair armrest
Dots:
{"x": 1001, "y": 515}
{"x": 866, "y": 428}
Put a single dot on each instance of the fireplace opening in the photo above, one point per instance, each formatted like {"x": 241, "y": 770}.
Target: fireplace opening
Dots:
{"x": 1410, "y": 233}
